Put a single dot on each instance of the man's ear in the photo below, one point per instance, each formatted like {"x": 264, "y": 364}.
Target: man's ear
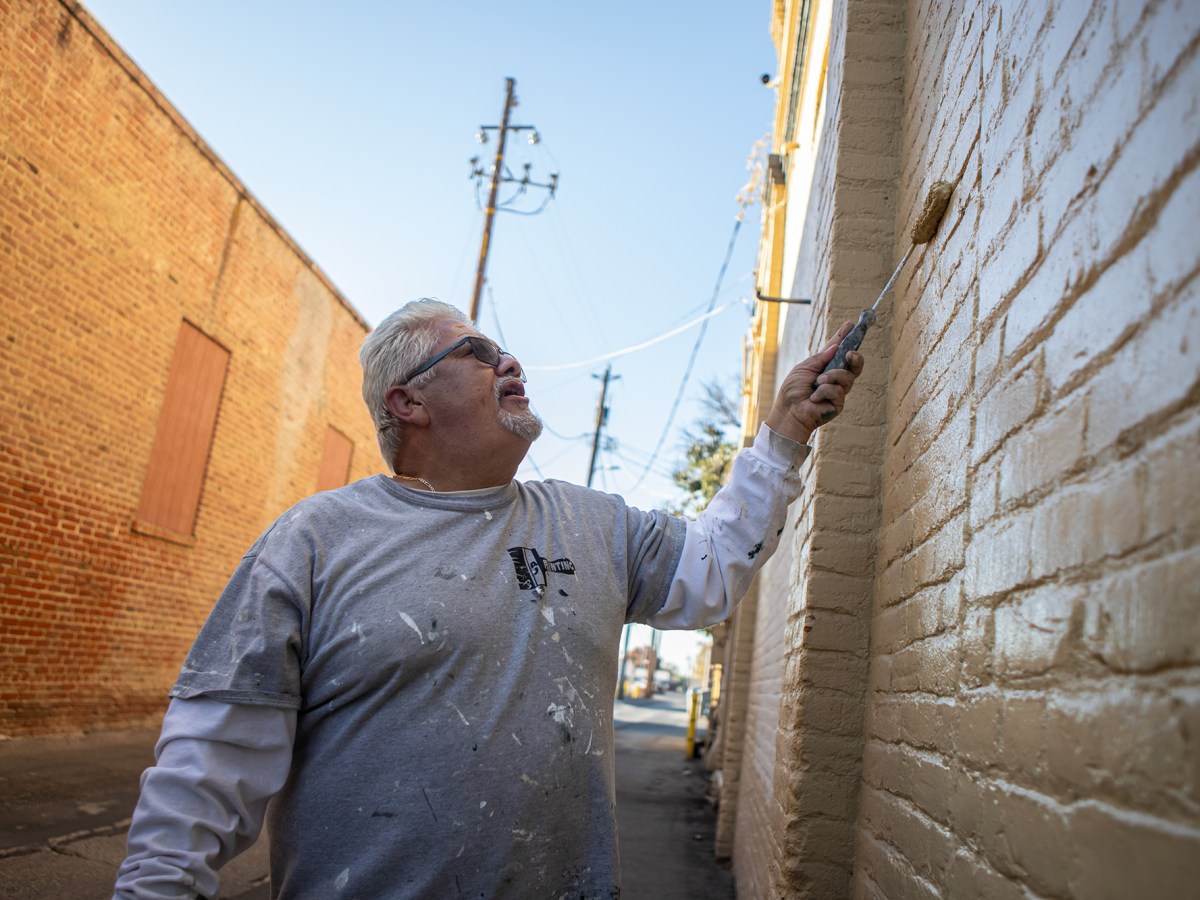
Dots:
{"x": 406, "y": 406}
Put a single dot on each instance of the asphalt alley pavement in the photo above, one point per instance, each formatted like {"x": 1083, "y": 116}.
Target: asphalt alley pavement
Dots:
{"x": 65, "y": 806}
{"x": 64, "y": 810}
{"x": 667, "y": 827}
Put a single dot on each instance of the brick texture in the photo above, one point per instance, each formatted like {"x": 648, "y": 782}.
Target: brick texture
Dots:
{"x": 116, "y": 224}
{"x": 1034, "y": 662}
{"x": 995, "y": 681}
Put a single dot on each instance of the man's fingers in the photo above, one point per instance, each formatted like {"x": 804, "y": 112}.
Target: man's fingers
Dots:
{"x": 829, "y": 349}
{"x": 840, "y": 377}
{"x": 829, "y": 392}
{"x": 855, "y": 361}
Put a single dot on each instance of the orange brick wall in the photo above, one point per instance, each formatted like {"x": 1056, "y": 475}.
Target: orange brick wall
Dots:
{"x": 117, "y": 222}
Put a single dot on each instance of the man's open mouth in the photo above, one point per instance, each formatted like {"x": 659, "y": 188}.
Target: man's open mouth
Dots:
{"x": 512, "y": 388}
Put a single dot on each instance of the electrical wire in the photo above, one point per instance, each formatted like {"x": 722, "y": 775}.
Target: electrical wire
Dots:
{"x": 561, "y": 454}
{"x": 496, "y": 317}
{"x": 462, "y": 258}
{"x": 526, "y": 212}
{"x": 504, "y": 343}
{"x": 562, "y": 234}
{"x": 534, "y": 260}
{"x": 529, "y": 459}
{"x": 561, "y": 437}
{"x": 582, "y": 295}
{"x": 643, "y": 345}
{"x": 737, "y": 226}
{"x": 663, "y": 470}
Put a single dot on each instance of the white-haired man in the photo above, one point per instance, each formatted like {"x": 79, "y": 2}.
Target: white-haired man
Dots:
{"x": 418, "y": 671}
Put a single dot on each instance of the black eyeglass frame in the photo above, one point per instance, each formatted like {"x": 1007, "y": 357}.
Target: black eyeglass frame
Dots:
{"x": 483, "y": 350}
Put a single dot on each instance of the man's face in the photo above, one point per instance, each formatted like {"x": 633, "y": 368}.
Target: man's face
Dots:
{"x": 468, "y": 396}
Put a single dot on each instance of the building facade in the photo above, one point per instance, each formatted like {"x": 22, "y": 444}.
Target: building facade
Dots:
{"x": 973, "y": 668}
{"x": 176, "y": 373}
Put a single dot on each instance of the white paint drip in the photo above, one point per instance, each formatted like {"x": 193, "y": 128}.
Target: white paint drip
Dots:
{"x": 357, "y": 630}
{"x": 343, "y": 879}
{"x": 560, "y": 714}
{"x": 408, "y": 620}
{"x": 487, "y": 515}
{"x": 548, "y": 615}
{"x": 460, "y": 715}
{"x": 568, "y": 690}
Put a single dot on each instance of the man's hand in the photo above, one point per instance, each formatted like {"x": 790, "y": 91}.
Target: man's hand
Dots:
{"x": 799, "y": 409}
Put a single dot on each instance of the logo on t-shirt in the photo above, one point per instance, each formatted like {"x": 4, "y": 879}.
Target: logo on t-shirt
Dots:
{"x": 532, "y": 568}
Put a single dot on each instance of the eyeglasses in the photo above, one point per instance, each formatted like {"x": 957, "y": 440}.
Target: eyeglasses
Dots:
{"x": 485, "y": 351}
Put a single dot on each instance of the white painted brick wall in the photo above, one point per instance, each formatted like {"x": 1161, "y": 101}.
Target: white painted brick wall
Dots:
{"x": 1035, "y": 665}
{"x": 1033, "y": 701}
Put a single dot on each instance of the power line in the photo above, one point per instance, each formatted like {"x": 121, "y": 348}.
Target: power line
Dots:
{"x": 642, "y": 346}
{"x": 737, "y": 226}
{"x": 562, "y": 437}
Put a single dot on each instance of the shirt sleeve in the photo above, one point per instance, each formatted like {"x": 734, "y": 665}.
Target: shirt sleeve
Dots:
{"x": 204, "y": 801}
{"x": 250, "y": 649}
{"x": 729, "y": 541}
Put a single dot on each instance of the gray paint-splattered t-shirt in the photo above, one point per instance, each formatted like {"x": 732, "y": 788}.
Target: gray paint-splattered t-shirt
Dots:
{"x": 452, "y": 662}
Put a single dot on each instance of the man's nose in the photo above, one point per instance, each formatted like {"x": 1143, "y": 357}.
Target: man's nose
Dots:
{"x": 509, "y": 367}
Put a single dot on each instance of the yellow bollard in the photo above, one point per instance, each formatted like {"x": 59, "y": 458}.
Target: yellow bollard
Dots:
{"x": 693, "y": 712}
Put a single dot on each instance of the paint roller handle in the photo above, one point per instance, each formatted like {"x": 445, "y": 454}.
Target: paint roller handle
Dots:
{"x": 850, "y": 342}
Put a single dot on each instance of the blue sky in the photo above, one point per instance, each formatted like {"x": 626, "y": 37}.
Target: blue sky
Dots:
{"x": 353, "y": 124}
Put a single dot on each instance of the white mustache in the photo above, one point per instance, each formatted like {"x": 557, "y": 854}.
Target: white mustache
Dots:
{"x": 502, "y": 384}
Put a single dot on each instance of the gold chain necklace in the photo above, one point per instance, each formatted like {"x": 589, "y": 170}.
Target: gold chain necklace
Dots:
{"x": 398, "y": 476}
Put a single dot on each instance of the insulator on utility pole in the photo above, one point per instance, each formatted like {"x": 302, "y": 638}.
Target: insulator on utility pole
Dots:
{"x": 490, "y": 212}
{"x": 498, "y": 177}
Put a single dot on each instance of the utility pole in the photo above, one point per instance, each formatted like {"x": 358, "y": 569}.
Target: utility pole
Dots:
{"x": 601, "y": 419}
{"x": 500, "y": 177}
{"x": 624, "y": 664}
{"x": 652, "y": 661}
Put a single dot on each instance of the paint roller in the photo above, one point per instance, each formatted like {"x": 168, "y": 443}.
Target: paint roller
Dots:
{"x": 926, "y": 225}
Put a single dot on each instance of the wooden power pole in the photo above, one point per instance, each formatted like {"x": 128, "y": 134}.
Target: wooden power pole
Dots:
{"x": 601, "y": 418}
{"x": 499, "y": 177}
{"x": 490, "y": 213}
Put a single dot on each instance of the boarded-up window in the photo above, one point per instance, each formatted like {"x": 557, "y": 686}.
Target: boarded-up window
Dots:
{"x": 186, "y": 423}
{"x": 335, "y": 460}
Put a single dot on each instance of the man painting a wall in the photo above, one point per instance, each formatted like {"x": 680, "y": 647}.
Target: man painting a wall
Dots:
{"x": 420, "y": 669}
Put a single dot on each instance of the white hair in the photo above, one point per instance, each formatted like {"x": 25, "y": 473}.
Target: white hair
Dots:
{"x": 402, "y": 342}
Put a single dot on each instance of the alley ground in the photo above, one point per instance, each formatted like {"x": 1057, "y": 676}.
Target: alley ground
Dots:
{"x": 65, "y": 804}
